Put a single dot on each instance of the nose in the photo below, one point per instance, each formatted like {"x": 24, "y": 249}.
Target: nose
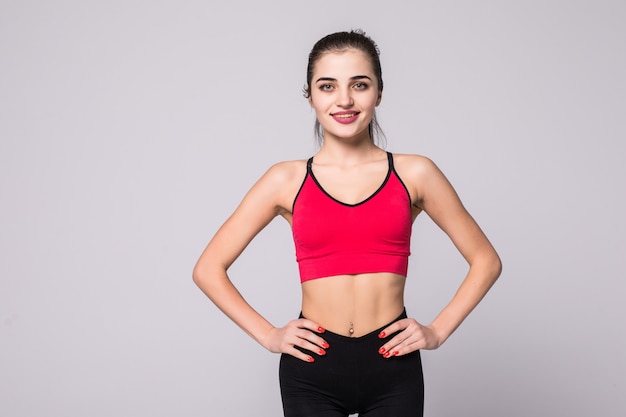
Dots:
{"x": 344, "y": 98}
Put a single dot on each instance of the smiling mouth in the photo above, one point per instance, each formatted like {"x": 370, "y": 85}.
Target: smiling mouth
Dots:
{"x": 344, "y": 115}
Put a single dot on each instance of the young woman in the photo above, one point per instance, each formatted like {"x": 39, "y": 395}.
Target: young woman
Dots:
{"x": 351, "y": 208}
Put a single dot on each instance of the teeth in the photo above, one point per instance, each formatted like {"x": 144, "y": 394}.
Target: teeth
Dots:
{"x": 345, "y": 116}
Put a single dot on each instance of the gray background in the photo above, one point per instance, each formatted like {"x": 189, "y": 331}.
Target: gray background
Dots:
{"x": 131, "y": 129}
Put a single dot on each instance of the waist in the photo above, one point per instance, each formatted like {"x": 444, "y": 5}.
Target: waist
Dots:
{"x": 331, "y": 336}
{"x": 361, "y": 302}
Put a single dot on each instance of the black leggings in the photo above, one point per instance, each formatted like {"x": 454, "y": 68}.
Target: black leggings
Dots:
{"x": 353, "y": 378}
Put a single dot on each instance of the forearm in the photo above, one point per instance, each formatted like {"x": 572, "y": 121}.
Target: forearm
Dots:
{"x": 220, "y": 290}
{"x": 481, "y": 276}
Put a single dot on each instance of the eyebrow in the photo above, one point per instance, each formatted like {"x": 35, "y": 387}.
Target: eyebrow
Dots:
{"x": 356, "y": 77}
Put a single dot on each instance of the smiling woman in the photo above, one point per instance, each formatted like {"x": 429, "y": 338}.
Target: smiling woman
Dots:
{"x": 341, "y": 42}
{"x": 351, "y": 208}
{"x": 345, "y": 94}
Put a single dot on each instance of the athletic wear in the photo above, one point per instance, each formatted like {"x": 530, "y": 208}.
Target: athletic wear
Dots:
{"x": 353, "y": 378}
{"x": 335, "y": 238}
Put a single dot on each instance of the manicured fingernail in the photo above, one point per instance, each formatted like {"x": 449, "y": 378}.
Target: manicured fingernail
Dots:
{"x": 325, "y": 345}
{"x": 381, "y": 350}
{"x": 321, "y": 352}
{"x": 395, "y": 353}
{"x": 381, "y": 335}
{"x": 321, "y": 329}
{"x": 386, "y": 355}
{"x": 310, "y": 359}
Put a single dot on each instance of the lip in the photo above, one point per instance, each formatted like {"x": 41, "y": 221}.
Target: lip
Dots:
{"x": 345, "y": 117}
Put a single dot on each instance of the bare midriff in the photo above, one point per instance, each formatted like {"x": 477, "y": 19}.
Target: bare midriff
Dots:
{"x": 353, "y": 305}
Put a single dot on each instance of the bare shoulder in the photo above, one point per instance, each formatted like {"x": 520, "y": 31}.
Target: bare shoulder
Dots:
{"x": 287, "y": 171}
{"x": 283, "y": 180}
{"x": 284, "y": 176}
{"x": 414, "y": 165}
{"x": 418, "y": 172}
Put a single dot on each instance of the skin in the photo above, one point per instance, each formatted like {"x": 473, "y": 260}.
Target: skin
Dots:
{"x": 350, "y": 168}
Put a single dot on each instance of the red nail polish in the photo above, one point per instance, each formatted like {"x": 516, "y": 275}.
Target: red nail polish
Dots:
{"x": 320, "y": 329}
{"x": 395, "y": 353}
{"x": 386, "y": 355}
{"x": 381, "y": 335}
{"x": 325, "y": 345}
{"x": 381, "y": 350}
{"x": 310, "y": 359}
{"x": 322, "y": 352}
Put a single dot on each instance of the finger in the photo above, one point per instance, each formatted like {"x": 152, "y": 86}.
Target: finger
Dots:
{"x": 300, "y": 355}
{"x": 392, "y": 346}
{"x": 310, "y": 331}
{"x": 311, "y": 341}
{"x": 403, "y": 343}
{"x": 403, "y": 349}
{"x": 304, "y": 349}
{"x": 394, "y": 327}
{"x": 311, "y": 325}
{"x": 406, "y": 334}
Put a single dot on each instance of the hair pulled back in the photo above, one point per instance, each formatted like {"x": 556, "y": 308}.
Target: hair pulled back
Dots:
{"x": 339, "y": 42}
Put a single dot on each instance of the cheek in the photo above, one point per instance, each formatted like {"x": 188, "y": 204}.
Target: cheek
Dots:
{"x": 319, "y": 104}
{"x": 372, "y": 101}
{"x": 376, "y": 98}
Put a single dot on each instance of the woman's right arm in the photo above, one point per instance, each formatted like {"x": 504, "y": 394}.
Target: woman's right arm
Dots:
{"x": 268, "y": 198}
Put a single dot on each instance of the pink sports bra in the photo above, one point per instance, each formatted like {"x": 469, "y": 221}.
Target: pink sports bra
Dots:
{"x": 335, "y": 238}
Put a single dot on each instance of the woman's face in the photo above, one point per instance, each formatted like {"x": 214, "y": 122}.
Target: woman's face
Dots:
{"x": 344, "y": 93}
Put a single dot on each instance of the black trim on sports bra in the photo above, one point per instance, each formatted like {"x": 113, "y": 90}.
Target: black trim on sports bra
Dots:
{"x": 393, "y": 167}
{"x": 389, "y": 171}
{"x": 308, "y": 169}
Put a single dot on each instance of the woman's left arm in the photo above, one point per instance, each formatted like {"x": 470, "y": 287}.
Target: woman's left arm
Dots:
{"x": 433, "y": 193}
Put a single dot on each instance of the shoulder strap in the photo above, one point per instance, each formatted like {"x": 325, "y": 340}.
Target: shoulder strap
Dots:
{"x": 390, "y": 159}
{"x": 306, "y": 176}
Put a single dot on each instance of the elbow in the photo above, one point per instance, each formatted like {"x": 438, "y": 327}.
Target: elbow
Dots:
{"x": 196, "y": 275}
{"x": 200, "y": 274}
{"x": 208, "y": 278}
{"x": 201, "y": 278}
{"x": 495, "y": 266}
{"x": 490, "y": 266}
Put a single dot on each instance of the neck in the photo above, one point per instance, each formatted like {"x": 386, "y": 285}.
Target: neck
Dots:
{"x": 340, "y": 152}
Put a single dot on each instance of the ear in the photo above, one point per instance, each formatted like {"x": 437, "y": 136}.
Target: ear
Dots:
{"x": 380, "y": 97}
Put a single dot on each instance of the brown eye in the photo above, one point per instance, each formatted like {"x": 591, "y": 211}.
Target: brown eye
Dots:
{"x": 326, "y": 87}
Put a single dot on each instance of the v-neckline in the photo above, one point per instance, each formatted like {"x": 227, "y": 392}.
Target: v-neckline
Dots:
{"x": 389, "y": 169}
